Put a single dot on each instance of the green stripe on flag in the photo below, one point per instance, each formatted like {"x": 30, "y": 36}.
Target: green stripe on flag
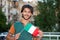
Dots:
{"x": 27, "y": 27}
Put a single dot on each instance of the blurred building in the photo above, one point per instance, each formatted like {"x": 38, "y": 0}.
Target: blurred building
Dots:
{"x": 12, "y": 8}
{"x": 0, "y": 2}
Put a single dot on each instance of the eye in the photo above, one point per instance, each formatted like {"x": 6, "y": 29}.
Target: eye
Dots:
{"x": 24, "y": 11}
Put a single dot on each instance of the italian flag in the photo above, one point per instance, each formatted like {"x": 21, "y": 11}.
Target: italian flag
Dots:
{"x": 32, "y": 29}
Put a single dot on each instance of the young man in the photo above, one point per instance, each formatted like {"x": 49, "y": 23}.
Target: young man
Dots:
{"x": 17, "y": 27}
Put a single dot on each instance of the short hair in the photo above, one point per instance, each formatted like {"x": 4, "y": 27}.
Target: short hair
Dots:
{"x": 27, "y": 6}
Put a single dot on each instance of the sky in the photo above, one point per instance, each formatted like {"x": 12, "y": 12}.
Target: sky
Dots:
{"x": 31, "y": 0}
{"x": 27, "y": 0}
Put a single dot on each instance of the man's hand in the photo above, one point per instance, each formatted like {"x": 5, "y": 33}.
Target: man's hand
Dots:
{"x": 11, "y": 37}
{"x": 17, "y": 35}
{"x": 39, "y": 37}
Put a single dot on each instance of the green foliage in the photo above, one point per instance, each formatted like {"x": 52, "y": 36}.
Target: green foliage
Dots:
{"x": 58, "y": 14}
{"x": 2, "y": 21}
{"x": 58, "y": 29}
{"x": 9, "y": 25}
{"x": 46, "y": 19}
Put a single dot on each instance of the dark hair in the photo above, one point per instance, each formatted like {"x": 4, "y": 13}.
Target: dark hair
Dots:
{"x": 27, "y": 6}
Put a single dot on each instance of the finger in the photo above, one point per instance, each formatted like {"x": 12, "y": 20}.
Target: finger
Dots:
{"x": 17, "y": 35}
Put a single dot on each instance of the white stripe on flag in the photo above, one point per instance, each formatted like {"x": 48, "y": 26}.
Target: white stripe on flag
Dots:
{"x": 32, "y": 29}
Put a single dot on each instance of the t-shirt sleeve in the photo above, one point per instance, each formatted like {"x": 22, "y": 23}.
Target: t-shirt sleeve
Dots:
{"x": 12, "y": 30}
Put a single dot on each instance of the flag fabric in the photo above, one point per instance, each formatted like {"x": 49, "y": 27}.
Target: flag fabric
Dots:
{"x": 32, "y": 29}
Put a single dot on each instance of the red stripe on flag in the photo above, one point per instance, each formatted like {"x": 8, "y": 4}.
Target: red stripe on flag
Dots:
{"x": 36, "y": 32}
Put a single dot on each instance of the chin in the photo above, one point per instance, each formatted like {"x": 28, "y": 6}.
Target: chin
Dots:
{"x": 26, "y": 19}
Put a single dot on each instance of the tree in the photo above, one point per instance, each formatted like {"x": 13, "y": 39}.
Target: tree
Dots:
{"x": 46, "y": 19}
{"x": 58, "y": 14}
{"x": 2, "y": 21}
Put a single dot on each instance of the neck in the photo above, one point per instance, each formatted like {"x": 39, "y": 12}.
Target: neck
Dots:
{"x": 25, "y": 21}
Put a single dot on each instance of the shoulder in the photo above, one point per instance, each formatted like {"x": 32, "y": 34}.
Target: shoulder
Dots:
{"x": 17, "y": 22}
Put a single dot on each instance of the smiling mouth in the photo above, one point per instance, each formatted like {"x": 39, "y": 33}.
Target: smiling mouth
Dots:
{"x": 24, "y": 16}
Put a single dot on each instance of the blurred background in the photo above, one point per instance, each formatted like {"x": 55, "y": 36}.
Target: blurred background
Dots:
{"x": 46, "y": 16}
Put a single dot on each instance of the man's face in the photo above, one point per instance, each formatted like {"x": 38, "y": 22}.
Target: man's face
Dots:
{"x": 26, "y": 14}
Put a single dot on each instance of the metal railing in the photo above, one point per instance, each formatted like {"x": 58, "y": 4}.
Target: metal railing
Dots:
{"x": 51, "y": 36}
{"x": 48, "y": 36}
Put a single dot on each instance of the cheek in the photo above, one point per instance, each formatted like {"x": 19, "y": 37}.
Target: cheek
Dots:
{"x": 29, "y": 14}
{"x": 23, "y": 13}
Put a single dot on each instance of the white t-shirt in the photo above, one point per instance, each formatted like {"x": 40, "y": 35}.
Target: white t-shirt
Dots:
{"x": 13, "y": 11}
